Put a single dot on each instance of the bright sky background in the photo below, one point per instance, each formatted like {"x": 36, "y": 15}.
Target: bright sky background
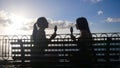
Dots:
{"x": 18, "y": 16}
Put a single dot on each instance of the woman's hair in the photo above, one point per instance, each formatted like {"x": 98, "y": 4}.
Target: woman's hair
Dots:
{"x": 42, "y": 21}
{"x": 82, "y": 23}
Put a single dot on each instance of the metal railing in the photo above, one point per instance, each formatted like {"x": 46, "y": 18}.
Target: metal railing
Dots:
{"x": 5, "y": 40}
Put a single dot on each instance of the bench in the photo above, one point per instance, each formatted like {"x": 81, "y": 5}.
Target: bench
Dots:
{"x": 58, "y": 53}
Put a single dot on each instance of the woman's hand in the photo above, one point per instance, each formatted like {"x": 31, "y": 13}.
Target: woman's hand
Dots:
{"x": 54, "y": 34}
{"x": 71, "y": 35}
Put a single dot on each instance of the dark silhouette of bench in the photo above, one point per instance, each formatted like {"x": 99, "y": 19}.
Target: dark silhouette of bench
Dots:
{"x": 59, "y": 52}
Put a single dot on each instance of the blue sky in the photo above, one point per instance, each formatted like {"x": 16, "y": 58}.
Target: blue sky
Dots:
{"x": 102, "y": 15}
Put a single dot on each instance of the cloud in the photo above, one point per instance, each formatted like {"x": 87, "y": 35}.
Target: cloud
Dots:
{"x": 100, "y": 12}
{"x": 96, "y": 1}
{"x": 4, "y": 18}
{"x": 112, "y": 20}
{"x": 93, "y": 1}
{"x": 6, "y": 21}
{"x": 26, "y": 24}
{"x": 60, "y": 23}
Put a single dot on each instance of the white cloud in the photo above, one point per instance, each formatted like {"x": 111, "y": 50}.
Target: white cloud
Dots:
{"x": 26, "y": 24}
{"x": 4, "y": 18}
{"x": 3, "y": 14}
{"x": 100, "y": 12}
{"x": 60, "y": 23}
{"x": 93, "y": 1}
{"x": 96, "y": 1}
{"x": 112, "y": 20}
{"x": 12, "y": 24}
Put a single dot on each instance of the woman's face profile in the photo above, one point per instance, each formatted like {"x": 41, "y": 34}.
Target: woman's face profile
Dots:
{"x": 76, "y": 26}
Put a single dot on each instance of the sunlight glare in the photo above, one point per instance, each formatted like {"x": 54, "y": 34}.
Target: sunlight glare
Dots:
{"x": 17, "y": 23}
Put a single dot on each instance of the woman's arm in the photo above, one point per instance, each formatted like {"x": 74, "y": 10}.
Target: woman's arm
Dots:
{"x": 71, "y": 35}
{"x": 54, "y": 34}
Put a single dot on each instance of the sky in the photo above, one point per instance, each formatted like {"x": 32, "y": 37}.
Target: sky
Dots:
{"x": 18, "y": 16}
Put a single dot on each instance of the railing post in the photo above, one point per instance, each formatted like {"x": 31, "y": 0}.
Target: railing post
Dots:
{"x": 22, "y": 50}
{"x": 108, "y": 50}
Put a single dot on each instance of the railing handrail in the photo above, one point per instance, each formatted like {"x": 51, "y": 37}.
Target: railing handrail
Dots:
{"x": 13, "y": 38}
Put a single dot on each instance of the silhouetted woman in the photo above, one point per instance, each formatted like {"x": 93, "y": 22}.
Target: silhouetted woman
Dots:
{"x": 40, "y": 40}
{"x": 39, "y": 30}
{"x": 84, "y": 57}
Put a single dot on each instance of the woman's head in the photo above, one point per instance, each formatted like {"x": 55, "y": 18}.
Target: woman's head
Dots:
{"x": 42, "y": 22}
{"x": 82, "y": 23}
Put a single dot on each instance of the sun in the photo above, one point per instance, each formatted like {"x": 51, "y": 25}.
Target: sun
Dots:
{"x": 17, "y": 20}
{"x": 17, "y": 23}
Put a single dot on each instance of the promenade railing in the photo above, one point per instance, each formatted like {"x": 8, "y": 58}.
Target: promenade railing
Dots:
{"x": 17, "y": 48}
